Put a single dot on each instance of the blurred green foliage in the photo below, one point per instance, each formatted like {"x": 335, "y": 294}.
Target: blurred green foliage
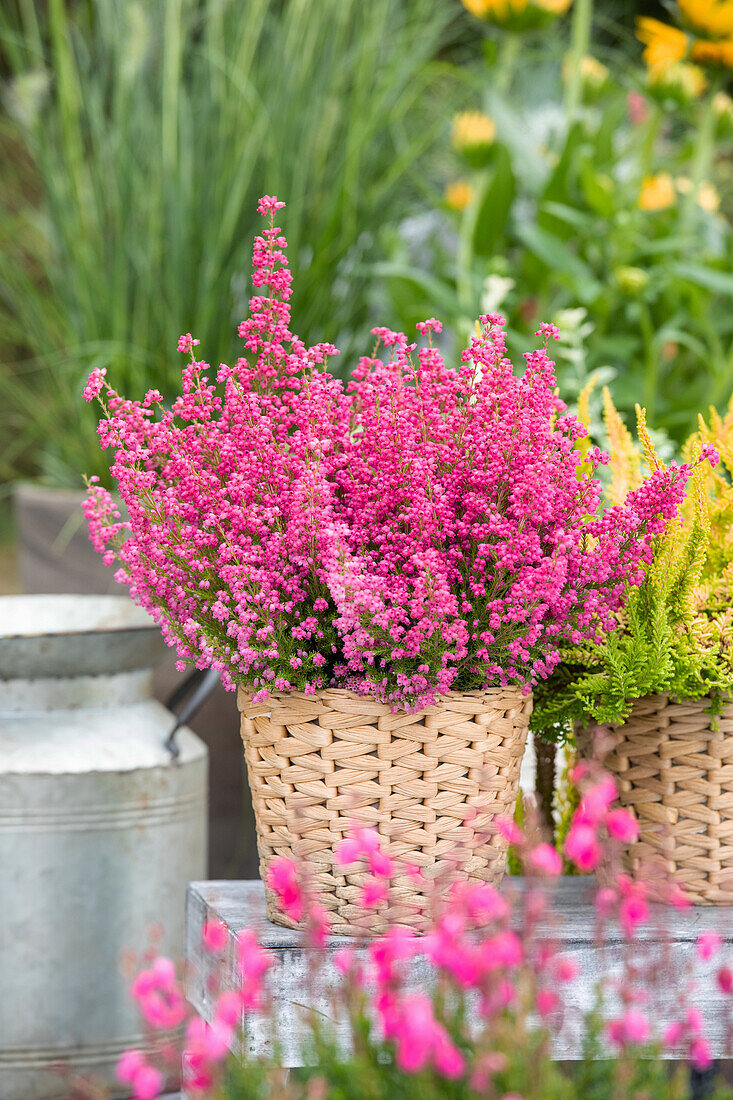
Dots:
{"x": 555, "y": 228}
{"x": 137, "y": 139}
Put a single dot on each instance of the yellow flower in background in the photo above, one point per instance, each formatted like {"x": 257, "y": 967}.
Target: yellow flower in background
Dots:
{"x": 517, "y": 15}
{"x": 472, "y": 135}
{"x": 713, "y": 18}
{"x": 723, "y": 108}
{"x": 723, "y": 105}
{"x": 708, "y": 198}
{"x": 458, "y": 195}
{"x": 680, "y": 81}
{"x": 657, "y": 192}
{"x": 593, "y": 73}
{"x": 713, "y": 53}
{"x": 631, "y": 280}
{"x": 664, "y": 44}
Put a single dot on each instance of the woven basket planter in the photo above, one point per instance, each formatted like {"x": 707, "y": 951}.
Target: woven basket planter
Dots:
{"x": 430, "y": 782}
{"x": 673, "y": 762}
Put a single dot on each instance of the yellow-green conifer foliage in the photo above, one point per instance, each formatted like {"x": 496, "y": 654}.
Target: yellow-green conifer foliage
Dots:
{"x": 675, "y": 632}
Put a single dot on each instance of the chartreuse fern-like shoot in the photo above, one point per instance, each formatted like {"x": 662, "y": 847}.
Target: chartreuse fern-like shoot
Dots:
{"x": 676, "y": 628}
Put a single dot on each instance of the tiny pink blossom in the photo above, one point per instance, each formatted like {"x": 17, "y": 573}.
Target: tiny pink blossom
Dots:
{"x": 673, "y": 1033}
{"x": 95, "y": 384}
{"x": 509, "y": 829}
{"x": 269, "y": 203}
{"x": 214, "y": 936}
{"x": 596, "y": 801}
{"x": 147, "y": 1084}
{"x": 282, "y": 878}
{"x": 622, "y": 826}
{"x": 700, "y": 1053}
{"x": 725, "y": 979}
{"x": 633, "y": 911}
{"x": 707, "y": 944}
{"x": 229, "y": 1007}
{"x": 547, "y": 1002}
{"x": 582, "y": 847}
{"x": 187, "y": 343}
{"x": 545, "y": 859}
{"x": 131, "y": 1062}
{"x": 374, "y": 892}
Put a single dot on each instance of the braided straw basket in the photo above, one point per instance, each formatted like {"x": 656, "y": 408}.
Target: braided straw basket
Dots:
{"x": 430, "y": 782}
{"x": 673, "y": 762}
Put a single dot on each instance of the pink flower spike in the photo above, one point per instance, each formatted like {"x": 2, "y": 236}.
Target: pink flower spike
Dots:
{"x": 214, "y": 936}
{"x": 508, "y": 829}
{"x": 268, "y": 204}
{"x": 545, "y": 859}
{"x": 187, "y": 342}
{"x": 95, "y": 384}
{"x": 707, "y": 944}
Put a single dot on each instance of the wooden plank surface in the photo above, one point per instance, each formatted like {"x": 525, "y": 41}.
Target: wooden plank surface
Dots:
{"x": 571, "y": 924}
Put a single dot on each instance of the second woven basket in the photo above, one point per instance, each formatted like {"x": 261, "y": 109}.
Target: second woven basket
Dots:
{"x": 430, "y": 782}
{"x": 673, "y": 763}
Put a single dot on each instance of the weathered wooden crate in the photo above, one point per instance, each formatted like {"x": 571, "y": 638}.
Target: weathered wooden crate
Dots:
{"x": 242, "y": 905}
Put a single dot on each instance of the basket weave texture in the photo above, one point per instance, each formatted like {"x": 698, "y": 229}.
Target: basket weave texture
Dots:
{"x": 673, "y": 762}
{"x": 430, "y": 782}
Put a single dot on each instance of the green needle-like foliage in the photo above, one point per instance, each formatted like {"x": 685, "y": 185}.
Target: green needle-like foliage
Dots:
{"x": 675, "y": 633}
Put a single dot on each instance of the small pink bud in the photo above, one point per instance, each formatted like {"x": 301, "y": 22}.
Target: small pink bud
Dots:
{"x": 725, "y": 979}
{"x": 545, "y": 859}
{"x": 622, "y": 826}
{"x": 707, "y": 944}
{"x": 214, "y": 936}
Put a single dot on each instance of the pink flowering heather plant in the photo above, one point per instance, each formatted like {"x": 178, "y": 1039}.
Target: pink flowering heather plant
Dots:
{"x": 419, "y": 529}
{"x": 474, "y": 1008}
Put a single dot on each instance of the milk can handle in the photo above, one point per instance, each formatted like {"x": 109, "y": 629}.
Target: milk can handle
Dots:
{"x": 199, "y": 685}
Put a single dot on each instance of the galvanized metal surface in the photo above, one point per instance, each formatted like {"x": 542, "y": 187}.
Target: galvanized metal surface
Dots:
{"x": 59, "y": 636}
{"x": 99, "y": 834}
{"x": 242, "y": 905}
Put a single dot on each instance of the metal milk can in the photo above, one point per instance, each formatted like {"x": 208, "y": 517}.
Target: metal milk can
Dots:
{"x": 100, "y": 831}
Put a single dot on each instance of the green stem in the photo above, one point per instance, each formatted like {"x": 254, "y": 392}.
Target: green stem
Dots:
{"x": 703, "y": 154}
{"x": 579, "y": 47}
{"x": 649, "y": 141}
{"x": 506, "y": 63}
{"x": 651, "y": 357}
